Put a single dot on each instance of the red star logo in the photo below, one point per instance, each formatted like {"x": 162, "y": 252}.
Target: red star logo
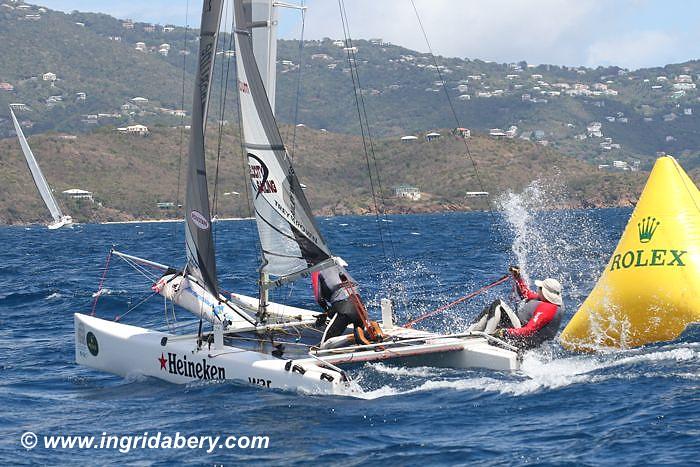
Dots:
{"x": 162, "y": 361}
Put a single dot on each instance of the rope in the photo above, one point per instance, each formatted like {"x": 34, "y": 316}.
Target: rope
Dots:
{"x": 223, "y": 92}
{"x": 357, "y": 91}
{"x": 119, "y": 317}
{"x": 295, "y": 118}
{"x": 182, "y": 118}
{"x": 455, "y": 302}
{"x": 452, "y": 108}
{"x": 102, "y": 281}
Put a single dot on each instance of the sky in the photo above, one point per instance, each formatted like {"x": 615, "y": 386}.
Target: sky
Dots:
{"x": 628, "y": 33}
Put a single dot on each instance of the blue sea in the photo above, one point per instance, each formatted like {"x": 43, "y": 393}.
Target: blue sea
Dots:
{"x": 633, "y": 407}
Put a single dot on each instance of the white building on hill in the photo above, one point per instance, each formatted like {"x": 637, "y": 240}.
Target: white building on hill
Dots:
{"x": 407, "y": 191}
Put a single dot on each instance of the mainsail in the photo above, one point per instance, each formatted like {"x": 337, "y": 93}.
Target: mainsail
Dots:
{"x": 290, "y": 238}
{"x": 199, "y": 240}
{"x": 39, "y": 179}
{"x": 264, "y": 36}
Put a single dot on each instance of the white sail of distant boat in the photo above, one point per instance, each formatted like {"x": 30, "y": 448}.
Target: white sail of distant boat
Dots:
{"x": 283, "y": 353}
{"x": 59, "y": 220}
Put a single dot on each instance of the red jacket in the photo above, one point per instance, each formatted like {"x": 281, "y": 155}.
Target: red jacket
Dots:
{"x": 543, "y": 314}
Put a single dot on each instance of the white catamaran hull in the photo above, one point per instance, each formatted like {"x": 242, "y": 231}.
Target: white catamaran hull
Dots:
{"x": 65, "y": 221}
{"x": 408, "y": 346}
{"x": 130, "y": 350}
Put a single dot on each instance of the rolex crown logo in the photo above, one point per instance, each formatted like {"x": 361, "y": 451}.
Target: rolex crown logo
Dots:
{"x": 647, "y": 227}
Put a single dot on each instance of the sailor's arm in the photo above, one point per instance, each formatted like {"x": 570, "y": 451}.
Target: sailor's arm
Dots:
{"x": 521, "y": 286}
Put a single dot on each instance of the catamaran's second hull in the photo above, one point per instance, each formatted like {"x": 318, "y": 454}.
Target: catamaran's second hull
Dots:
{"x": 127, "y": 350}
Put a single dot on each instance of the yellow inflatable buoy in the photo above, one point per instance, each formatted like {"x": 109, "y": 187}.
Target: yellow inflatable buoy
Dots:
{"x": 650, "y": 289}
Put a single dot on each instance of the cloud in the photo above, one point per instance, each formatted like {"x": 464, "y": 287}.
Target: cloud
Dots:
{"x": 641, "y": 49}
{"x": 630, "y": 33}
{"x": 502, "y": 30}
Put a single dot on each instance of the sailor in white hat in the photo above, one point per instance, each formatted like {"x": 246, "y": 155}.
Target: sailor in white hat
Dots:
{"x": 536, "y": 320}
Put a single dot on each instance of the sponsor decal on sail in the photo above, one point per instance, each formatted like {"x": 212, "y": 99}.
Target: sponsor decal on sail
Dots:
{"x": 259, "y": 176}
{"x": 199, "y": 220}
{"x": 176, "y": 365}
{"x": 647, "y": 227}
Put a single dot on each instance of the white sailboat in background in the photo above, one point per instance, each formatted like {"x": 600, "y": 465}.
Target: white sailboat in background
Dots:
{"x": 59, "y": 219}
{"x": 252, "y": 339}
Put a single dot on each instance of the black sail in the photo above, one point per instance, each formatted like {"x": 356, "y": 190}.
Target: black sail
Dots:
{"x": 199, "y": 240}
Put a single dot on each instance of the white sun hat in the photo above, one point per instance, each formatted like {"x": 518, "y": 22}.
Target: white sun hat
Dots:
{"x": 551, "y": 289}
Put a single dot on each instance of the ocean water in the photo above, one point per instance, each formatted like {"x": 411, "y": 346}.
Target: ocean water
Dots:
{"x": 629, "y": 407}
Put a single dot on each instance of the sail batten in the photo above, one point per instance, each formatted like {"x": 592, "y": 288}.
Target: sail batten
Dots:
{"x": 290, "y": 238}
{"x": 199, "y": 241}
{"x": 39, "y": 179}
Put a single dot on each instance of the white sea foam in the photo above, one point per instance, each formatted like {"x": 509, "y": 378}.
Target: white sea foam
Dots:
{"x": 54, "y": 295}
{"x": 108, "y": 291}
{"x": 541, "y": 373}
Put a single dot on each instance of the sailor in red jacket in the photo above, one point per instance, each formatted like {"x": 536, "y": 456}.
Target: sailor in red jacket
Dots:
{"x": 536, "y": 321}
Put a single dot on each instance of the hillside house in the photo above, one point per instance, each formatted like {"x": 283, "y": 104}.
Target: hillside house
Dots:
{"x": 141, "y": 47}
{"x": 670, "y": 117}
{"x": 325, "y": 57}
{"x": 76, "y": 193}
{"x": 408, "y": 139}
{"x": 432, "y": 136}
{"x": 48, "y": 76}
{"x": 407, "y": 191}
{"x": 168, "y": 28}
{"x": 595, "y": 129}
{"x": 339, "y": 43}
{"x": 463, "y": 132}
{"x": 684, "y": 86}
{"x": 476, "y": 194}
{"x": 6, "y": 87}
{"x": 497, "y": 133}
{"x": 512, "y": 132}
{"x": 128, "y": 24}
{"x": 139, "y": 100}
{"x": 80, "y": 96}
{"x": 687, "y": 111}
{"x": 464, "y": 97}
{"x": 139, "y": 130}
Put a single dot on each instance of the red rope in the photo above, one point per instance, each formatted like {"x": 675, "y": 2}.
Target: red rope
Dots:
{"x": 459, "y": 300}
{"x": 102, "y": 281}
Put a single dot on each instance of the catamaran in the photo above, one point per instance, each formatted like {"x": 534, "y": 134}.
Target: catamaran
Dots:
{"x": 59, "y": 219}
{"x": 252, "y": 339}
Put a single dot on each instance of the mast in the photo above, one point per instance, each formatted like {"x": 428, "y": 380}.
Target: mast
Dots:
{"x": 37, "y": 175}
{"x": 199, "y": 241}
{"x": 291, "y": 241}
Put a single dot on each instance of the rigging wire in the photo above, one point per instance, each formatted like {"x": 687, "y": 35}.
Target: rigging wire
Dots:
{"x": 452, "y": 108}
{"x": 245, "y": 169}
{"x": 223, "y": 93}
{"x": 367, "y": 144}
{"x": 295, "y": 118}
{"x": 182, "y": 118}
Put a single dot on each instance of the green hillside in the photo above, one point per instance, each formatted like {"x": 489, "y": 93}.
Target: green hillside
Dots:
{"x": 129, "y": 175}
{"x": 642, "y": 112}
